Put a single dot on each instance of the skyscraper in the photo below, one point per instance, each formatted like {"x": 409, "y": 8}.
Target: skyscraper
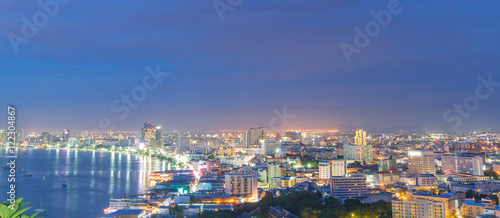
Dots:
{"x": 65, "y": 136}
{"x": 360, "y": 138}
{"x": 353, "y": 152}
{"x": 253, "y": 136}
{"x": 269, "y": 146}
{"x": 421, "y": 162}
{"x": 46, "y": 138}
{"x": 334, "y": 167}
{"x": 361, "y": 153}
{"x": 273, "y": 171}
{"x": 150, "y": 132}
{"x": 184, "y": 143}
{"x": 151, "y": 135}
{"x": 463, "y": 164}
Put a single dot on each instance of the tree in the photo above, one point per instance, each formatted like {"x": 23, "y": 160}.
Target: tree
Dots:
{"x": 333, "y": 204}
{"x": 469, "y": 193}
{"x": 177, "y": 210}
{"x": 218, "y": 214}
{"x": 310, "y": 212}
{"x": 352, "y": 204}
{"x": 8, "y": 210}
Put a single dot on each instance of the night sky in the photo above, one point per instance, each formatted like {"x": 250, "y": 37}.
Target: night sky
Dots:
{"x": 264, "y": 54}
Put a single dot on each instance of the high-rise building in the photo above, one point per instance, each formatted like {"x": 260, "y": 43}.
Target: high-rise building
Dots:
{"x": 361, "y": 153}
{"x": 253, "y": 136}
{"x": 280, "y": 151}
{"x": 269, "y": 146}
{"x": 151, "y": 134}
{"x": 421, "y": 162}
{"x": 418, "y": 208}
{"x": 353, "y": 152}
{"x": 423, "y": 205}
{"x": 348, "y": 187}
{"x": 367, "y": 153}
{"x": 65, "y": 136}
{"x": 360, "y": 137}
{"x": 46, "y": 138}
{"x": 184, "y": 143}
{"x": 463, "y": 164}
{"x": 273, "y": 171}
{"x": 334, "y": 167}
{"x": 244, "y": 185}
{"x": 426, "y": 181}
{"x": 387, "y": 164}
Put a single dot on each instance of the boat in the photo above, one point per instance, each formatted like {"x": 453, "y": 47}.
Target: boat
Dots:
{"x": 28, "y": 175}
{"x": 64, "y": 184}
{"x": 6, "y": 167}
{"x": 43, "y": 178}
{"x": 22, "y": 170}
{"x": 41, "y": 210}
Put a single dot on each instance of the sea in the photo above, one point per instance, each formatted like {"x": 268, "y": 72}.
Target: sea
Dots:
{"x": 92, "y": 178}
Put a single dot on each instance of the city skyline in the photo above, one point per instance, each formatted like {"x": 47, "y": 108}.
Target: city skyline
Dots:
{"x": 239, "y": 108}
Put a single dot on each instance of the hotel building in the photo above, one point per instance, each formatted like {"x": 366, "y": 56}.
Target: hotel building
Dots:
{"x": 348, "y": 187}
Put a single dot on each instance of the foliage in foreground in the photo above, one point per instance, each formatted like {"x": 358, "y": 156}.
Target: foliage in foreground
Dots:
{"x": 16, "y": 210}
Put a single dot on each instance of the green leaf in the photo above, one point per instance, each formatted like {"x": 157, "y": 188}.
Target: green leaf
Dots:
{"x": 5, "y": 211}
{"x": 33, "y": 216}
{"x": 19, "y": 212}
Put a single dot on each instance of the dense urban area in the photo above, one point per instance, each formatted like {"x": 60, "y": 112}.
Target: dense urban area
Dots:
{"x": 299, "y": 173}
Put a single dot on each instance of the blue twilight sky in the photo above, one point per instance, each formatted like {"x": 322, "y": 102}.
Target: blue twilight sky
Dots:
{"x": 264, "y": 54}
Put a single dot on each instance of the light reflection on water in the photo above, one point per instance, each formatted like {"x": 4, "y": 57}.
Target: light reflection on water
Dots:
{"x": 91, "y": 177}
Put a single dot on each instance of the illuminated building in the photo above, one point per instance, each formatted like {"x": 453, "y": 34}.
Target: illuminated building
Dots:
{"x": 387, "y": 164}
{"x": 269, "y": 146}
{"x": 150, "y": 132}
{"x": 242, "y": 185}
{"x": 388, "y": 177}
{"x": 419, "y": 205}
{"x": 360, "y": 138}
{"x": 361, "y": 153}
{"x": 184, "y": 143}
{"x": 487, "y": 208}
{"x": 334, "y": 167}
{"x": 426, "y": 181}
{"x": 151, "y": 135}
{"x": 421, "y": 162}
{"x": 273, "y": 171}
{"x": 472, "y": 209}
{"x": 348, "y": 187}
{"x": 46, "y": 138}
{"x": 436, "y": 205}
{"x": 65, "y": 136}
{"x": 122, "y": 203}
{"x": 253, "y": 136}
{"x": 417, "y": 208}
{"x": 463, "y": 164}
{"x": 287, "y": 181}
